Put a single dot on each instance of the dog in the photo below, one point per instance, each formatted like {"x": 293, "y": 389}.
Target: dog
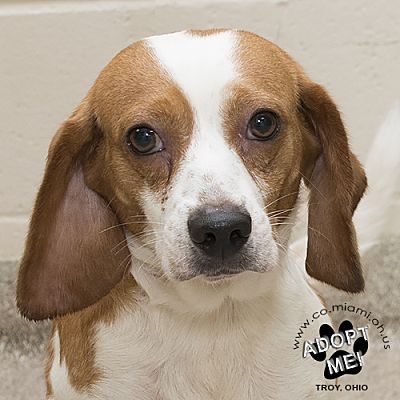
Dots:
{"x": 158, "y": 240}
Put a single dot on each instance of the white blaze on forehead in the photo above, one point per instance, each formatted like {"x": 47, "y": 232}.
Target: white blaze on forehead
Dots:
{"x": 201, "y": 66}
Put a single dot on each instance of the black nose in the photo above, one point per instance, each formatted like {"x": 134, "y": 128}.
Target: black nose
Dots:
{"x": 219, "y": 232}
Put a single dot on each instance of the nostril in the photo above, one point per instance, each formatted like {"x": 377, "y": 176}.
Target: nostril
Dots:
{"x": 235, "y": 234}
{"x": 209, "y": 239}
{"x": 237, "y": 238}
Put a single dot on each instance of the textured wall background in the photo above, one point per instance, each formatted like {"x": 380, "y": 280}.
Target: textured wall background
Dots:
{"x": 51, "y": 51}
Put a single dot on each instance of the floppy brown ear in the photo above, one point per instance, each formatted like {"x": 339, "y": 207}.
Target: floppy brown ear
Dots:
{"x": 337, "y": 183}
{"x": 70, "y": 260}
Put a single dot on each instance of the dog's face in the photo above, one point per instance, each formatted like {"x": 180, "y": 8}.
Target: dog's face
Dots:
{"x": 222, "y": 153}
{"x": 192, "y": 146}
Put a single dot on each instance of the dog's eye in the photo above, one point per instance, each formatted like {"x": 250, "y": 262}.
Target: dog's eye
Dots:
{"x": 263, "y": 126}
{"x": 144, "y": 140}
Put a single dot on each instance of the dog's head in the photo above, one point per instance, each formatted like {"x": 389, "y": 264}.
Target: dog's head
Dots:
{"x": 191, "y": 147}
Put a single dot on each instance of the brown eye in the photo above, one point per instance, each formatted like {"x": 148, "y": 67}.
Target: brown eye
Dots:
{"x": 144, "y": 140}
{"x": 263, "y": 126}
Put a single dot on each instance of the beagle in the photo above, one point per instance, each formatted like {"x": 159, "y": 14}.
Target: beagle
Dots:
{"x": 158, "y": 241}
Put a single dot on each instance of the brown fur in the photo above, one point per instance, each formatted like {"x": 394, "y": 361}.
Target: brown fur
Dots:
{"x": 68, "y": 263}
{"x": 336, "y": 185}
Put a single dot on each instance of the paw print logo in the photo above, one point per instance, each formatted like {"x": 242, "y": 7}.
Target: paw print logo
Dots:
{"x": 341, "y": 362}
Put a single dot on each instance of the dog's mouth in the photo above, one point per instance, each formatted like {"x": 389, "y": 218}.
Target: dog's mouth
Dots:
{"x": 212, "y": 272}
{"x": 220, "y": 277}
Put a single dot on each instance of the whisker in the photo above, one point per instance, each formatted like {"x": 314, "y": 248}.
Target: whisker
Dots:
{"x": 109, "y": 203}
{"x": 150, "y": 242}
{"x": 114, "y": 226}
{"x": 136, "y": 236}
{"x": 145, "y": 221}
{"x": 287, "y": 249}
{"x": 281, "y": 219}
{"x": 311, "y": 184}
{"x": 278, "y": 212}
{"x": 117, "y": 245}
{"x": 283, "y": 223}
{"x": 280, "y": 198}
{"x": 125, "y": 260}
{"x": 126, "y": 246}
{"x": 320, "y": 233}
{"x": 151, "y": 263}
{"x": 129, "y": 223}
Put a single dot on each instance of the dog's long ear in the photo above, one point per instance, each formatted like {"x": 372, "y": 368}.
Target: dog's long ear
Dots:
{"x": 70, "y": 260}
{"x": 337, "y": 183}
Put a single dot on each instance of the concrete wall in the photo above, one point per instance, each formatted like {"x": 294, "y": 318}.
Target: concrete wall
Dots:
{"x": 51, "y": 51}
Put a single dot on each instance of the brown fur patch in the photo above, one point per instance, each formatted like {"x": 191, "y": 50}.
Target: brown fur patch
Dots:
{"x": 77, "y": 333}
{"x": 69, "y": 262}
{"x": 336, "y": 186}
{"x": 49, "y": 363}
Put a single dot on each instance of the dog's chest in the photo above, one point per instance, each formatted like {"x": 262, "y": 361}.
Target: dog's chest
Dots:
{"x": 156, "y": 355}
